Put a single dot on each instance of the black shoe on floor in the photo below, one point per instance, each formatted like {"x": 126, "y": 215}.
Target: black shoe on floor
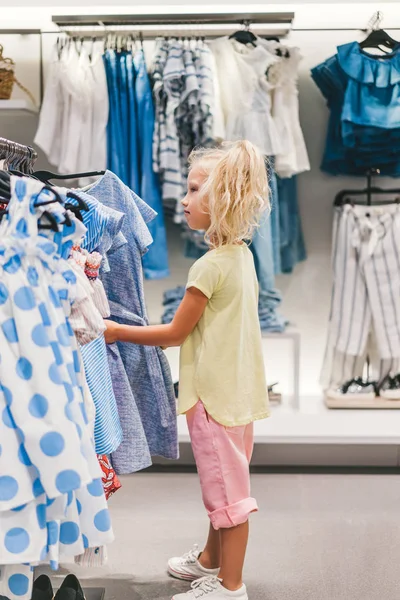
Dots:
{"x": 42, "y": 588}
{"x": 70, "y": 589}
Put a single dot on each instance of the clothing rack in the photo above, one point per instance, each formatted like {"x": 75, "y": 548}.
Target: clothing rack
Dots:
{"x": 12, "y": 152}
{"x": 208, "y": 25}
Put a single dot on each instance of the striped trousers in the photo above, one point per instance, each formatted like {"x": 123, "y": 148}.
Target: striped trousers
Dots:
{"x": 365, "y": 307}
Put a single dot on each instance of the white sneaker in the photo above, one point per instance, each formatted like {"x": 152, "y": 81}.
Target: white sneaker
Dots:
{"x": 188, "y": 568}
{"x": 212, "y": 587}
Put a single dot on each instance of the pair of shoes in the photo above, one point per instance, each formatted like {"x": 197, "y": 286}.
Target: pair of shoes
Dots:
{"x": 205, "y": 581}
{"x": 390, "y": 388}
{"x": 355, "y": 388}
{"x": 188, "y": 567}
{"x": 70, "y": 589}
{"x": 211, "y": 587}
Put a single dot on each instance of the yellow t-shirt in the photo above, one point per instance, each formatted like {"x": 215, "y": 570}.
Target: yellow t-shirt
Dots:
{"x": 221, "y": 362}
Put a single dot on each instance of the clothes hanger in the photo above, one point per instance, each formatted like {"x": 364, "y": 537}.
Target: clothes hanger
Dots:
{"x": 343, "y": 196}
{"x": 244, "y": 36}
{"x": 5, "y": 192}
{"x": 379, "y": 37}
{"x": 81, "y": 203}
{"x": 45, "y": 176}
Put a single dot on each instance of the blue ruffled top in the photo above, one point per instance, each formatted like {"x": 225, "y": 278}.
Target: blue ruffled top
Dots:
{"x": 372, "y": 96}
{"x": 363, "y": 95}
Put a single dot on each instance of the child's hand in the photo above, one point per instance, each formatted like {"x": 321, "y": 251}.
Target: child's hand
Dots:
{"x": 111, "y": 333}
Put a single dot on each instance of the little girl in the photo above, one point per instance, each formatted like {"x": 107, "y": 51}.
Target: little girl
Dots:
{"x": 222, "y": 386}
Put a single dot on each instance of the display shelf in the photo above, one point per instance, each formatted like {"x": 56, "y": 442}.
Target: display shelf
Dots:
{"x": 349, "y": 403}
{"x": 22, "y": 105}
{"x": 315, "y": 424}
{"x": 294, "y": 336}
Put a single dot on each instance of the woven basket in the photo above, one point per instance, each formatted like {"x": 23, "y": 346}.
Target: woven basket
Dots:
{"x": 7, "y": 79}
{"x": 7, "y": 66}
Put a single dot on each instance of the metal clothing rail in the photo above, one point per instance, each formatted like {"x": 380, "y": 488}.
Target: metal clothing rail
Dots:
{"x": 281, "y": 18}
{"x": 151, "y": 26}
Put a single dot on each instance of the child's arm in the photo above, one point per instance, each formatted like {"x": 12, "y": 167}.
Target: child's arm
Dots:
{"x": 173, "y": 334}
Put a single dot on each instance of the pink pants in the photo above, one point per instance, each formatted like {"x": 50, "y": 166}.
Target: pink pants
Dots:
{"x": 222, "y": 456}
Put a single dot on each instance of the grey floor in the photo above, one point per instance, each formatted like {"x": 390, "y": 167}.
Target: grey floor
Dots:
{"x": 316, "y": 537}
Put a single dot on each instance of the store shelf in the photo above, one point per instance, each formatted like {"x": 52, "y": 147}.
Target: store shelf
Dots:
{"x": 350, "y": 403}
{"x": 315, "y": 424}
{"x": 19, "y": 105}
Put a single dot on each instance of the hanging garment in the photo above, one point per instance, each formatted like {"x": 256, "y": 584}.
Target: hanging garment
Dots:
{"x": 92, "y": 268}
{"x": 100, "y": 110}
{"x": 47, "y": 464}
{"x": 160, "y": 105}
{"x": 274, "y": 216}
{"x": 292, "y": 244}
{"x": 133, "y": 454}
{"x": 107, "y": 428}
{"x": 48, "y": 134}
{"x": 85, "y": 319}
{"x": 366, "y": 290}
{"x": 372, "y": 96}
{"x": 246, "y": 97}
{"x": 104, "y": 225}
{"x": 116, "y": 145}
{"x": 169, "y": 77}
{"x": 362, "y": 94}
{"x": 74, "y": 113}
{"x": 134, "y": 140}
{"x": 147, "y": 368}
{"x": 77, "y": 115}
{"x": 188, "y": 123}
{"x": 210, "y": 97}
{"x": 269, "y": 297}
{"x": 155, "y": 261}
{"x": 282, "y": 78}
{"x": 16, "y": 582}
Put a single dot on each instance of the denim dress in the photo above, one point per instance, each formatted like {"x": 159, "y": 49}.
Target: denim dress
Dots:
{"x": 132, "y": 453}
{"x": 147, "y": 368}
{"x": 155, "y": 261}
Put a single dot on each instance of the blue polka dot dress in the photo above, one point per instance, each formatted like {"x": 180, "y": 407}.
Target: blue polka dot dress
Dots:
{"x": 52, "y": 504}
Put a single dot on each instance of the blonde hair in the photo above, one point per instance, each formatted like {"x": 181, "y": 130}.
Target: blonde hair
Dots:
{"x": 236, "y": 189}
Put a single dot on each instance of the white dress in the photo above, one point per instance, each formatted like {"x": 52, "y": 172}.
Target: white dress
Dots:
{"x": 97, "y": 147}
{"x": 48, "y": 134}
{"x": 245, "y": 94}
{"x": 77, "y": 119}
{"x": 282, "y": 78}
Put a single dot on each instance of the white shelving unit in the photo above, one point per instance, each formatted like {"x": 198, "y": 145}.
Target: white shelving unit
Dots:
{"x": 18, "y": 105}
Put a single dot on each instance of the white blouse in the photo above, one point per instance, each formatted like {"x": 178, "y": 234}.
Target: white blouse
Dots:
{"x": 282, "y": 78}
{"x": 245, "y": 94}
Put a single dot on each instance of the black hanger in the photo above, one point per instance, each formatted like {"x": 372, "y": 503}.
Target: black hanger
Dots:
{"x": 48, "y": 175}
{"x": 344, "y": 197}
{"x": 5, "y": 192}
{"x": 244, "y": 36}
{"x": 377, "y": 38}
{"x": 5, "y": 186}
{"x": 81, "y": 203}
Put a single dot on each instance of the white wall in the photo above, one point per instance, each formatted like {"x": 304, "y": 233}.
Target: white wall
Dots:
{"x": 307, "y": 291}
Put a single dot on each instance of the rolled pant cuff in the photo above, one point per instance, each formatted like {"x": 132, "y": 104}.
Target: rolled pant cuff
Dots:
{"x": 233, "y": 515}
